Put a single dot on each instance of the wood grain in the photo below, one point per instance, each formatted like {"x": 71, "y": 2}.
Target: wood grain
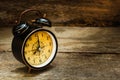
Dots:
{"x": 64, "y": 12}
{"x": 77, "y": 39}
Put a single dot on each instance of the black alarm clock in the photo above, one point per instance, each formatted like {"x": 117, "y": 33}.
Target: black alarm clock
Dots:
{"x": 33, "y": 45}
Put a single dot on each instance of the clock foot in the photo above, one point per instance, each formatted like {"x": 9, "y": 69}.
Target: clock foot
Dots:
{"x": 29, "y": 69}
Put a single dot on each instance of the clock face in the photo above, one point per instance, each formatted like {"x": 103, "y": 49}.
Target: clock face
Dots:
{"x": 39, "y": 48}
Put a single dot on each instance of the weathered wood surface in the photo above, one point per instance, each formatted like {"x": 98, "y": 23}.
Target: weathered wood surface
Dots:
{"x": 88, "y": 39}
{"x": 76, "y": 39}
{"x": 70, "y": 63}
{"x": 65, "y": 12}
{"x": 66, "y": 66}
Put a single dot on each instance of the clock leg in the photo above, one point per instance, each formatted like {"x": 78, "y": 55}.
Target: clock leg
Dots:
{"x": 29, "y": 69}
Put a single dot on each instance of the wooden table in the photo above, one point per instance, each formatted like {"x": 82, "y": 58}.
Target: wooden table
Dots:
{"x": 76, "y": 39}
{"x": 77, "y": 57}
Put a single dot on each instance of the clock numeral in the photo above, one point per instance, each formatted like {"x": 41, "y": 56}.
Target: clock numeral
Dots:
{"x": 47, "y": 37}
{"x": 28, "y": 58}
{"x": 25, "y": 52}
{"x": 27, "y": 45}
{"x": 30, "y": 38}
{"x": 40, "y": 61}
{"x": 36, "y": 35}
{"x": 45, "y": 57}
{"x": 49, "y": 50}
{"x": 42, "y": 35}
{"x": 34, "y": 60}
{"x": 50, "y": 43}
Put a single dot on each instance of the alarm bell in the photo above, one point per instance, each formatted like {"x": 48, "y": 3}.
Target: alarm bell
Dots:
{"x": 42, "y": 21}
{"x": 20, "y": 29}
{"x": 23, "y": 26}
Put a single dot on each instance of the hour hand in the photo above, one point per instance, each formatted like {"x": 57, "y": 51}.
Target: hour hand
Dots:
{"x": 38, "y": 43}
{"x": 34, "y": 47}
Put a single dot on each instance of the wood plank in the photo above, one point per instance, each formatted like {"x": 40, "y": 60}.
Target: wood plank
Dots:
{"x": 66, "y": 66}
{"x": 87, "y": 39}
{"x": 63, "y": 12}
{"x": 76, "y": 39}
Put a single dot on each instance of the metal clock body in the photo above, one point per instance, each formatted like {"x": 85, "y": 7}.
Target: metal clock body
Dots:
{"x": 37, "y": 49}
{"x": 34, "y": 46}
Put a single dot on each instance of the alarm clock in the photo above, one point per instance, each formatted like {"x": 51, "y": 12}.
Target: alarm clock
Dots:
{"x": 33, "y": 45}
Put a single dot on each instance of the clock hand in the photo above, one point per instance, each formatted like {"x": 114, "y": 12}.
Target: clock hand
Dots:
{"x": 31, "y": 50}
{"x": 44, "y": 46}
{"x": 38, "y": 41}
{"x": 38, "y": 49}
{"x": 34, "y": 52}
{"x": 35, "y": 47}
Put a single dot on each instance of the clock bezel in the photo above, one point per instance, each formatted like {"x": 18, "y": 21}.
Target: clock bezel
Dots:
{"x": 23, "y": 45}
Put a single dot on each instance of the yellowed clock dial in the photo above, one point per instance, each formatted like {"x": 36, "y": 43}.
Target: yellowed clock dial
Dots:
{"x": 39, "y": 48}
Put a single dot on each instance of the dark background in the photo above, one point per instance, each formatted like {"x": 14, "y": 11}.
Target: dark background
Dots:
{"x": 102, "y": 13}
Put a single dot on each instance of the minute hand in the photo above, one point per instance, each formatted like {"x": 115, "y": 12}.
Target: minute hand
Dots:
{"x": 38, "y": 41}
